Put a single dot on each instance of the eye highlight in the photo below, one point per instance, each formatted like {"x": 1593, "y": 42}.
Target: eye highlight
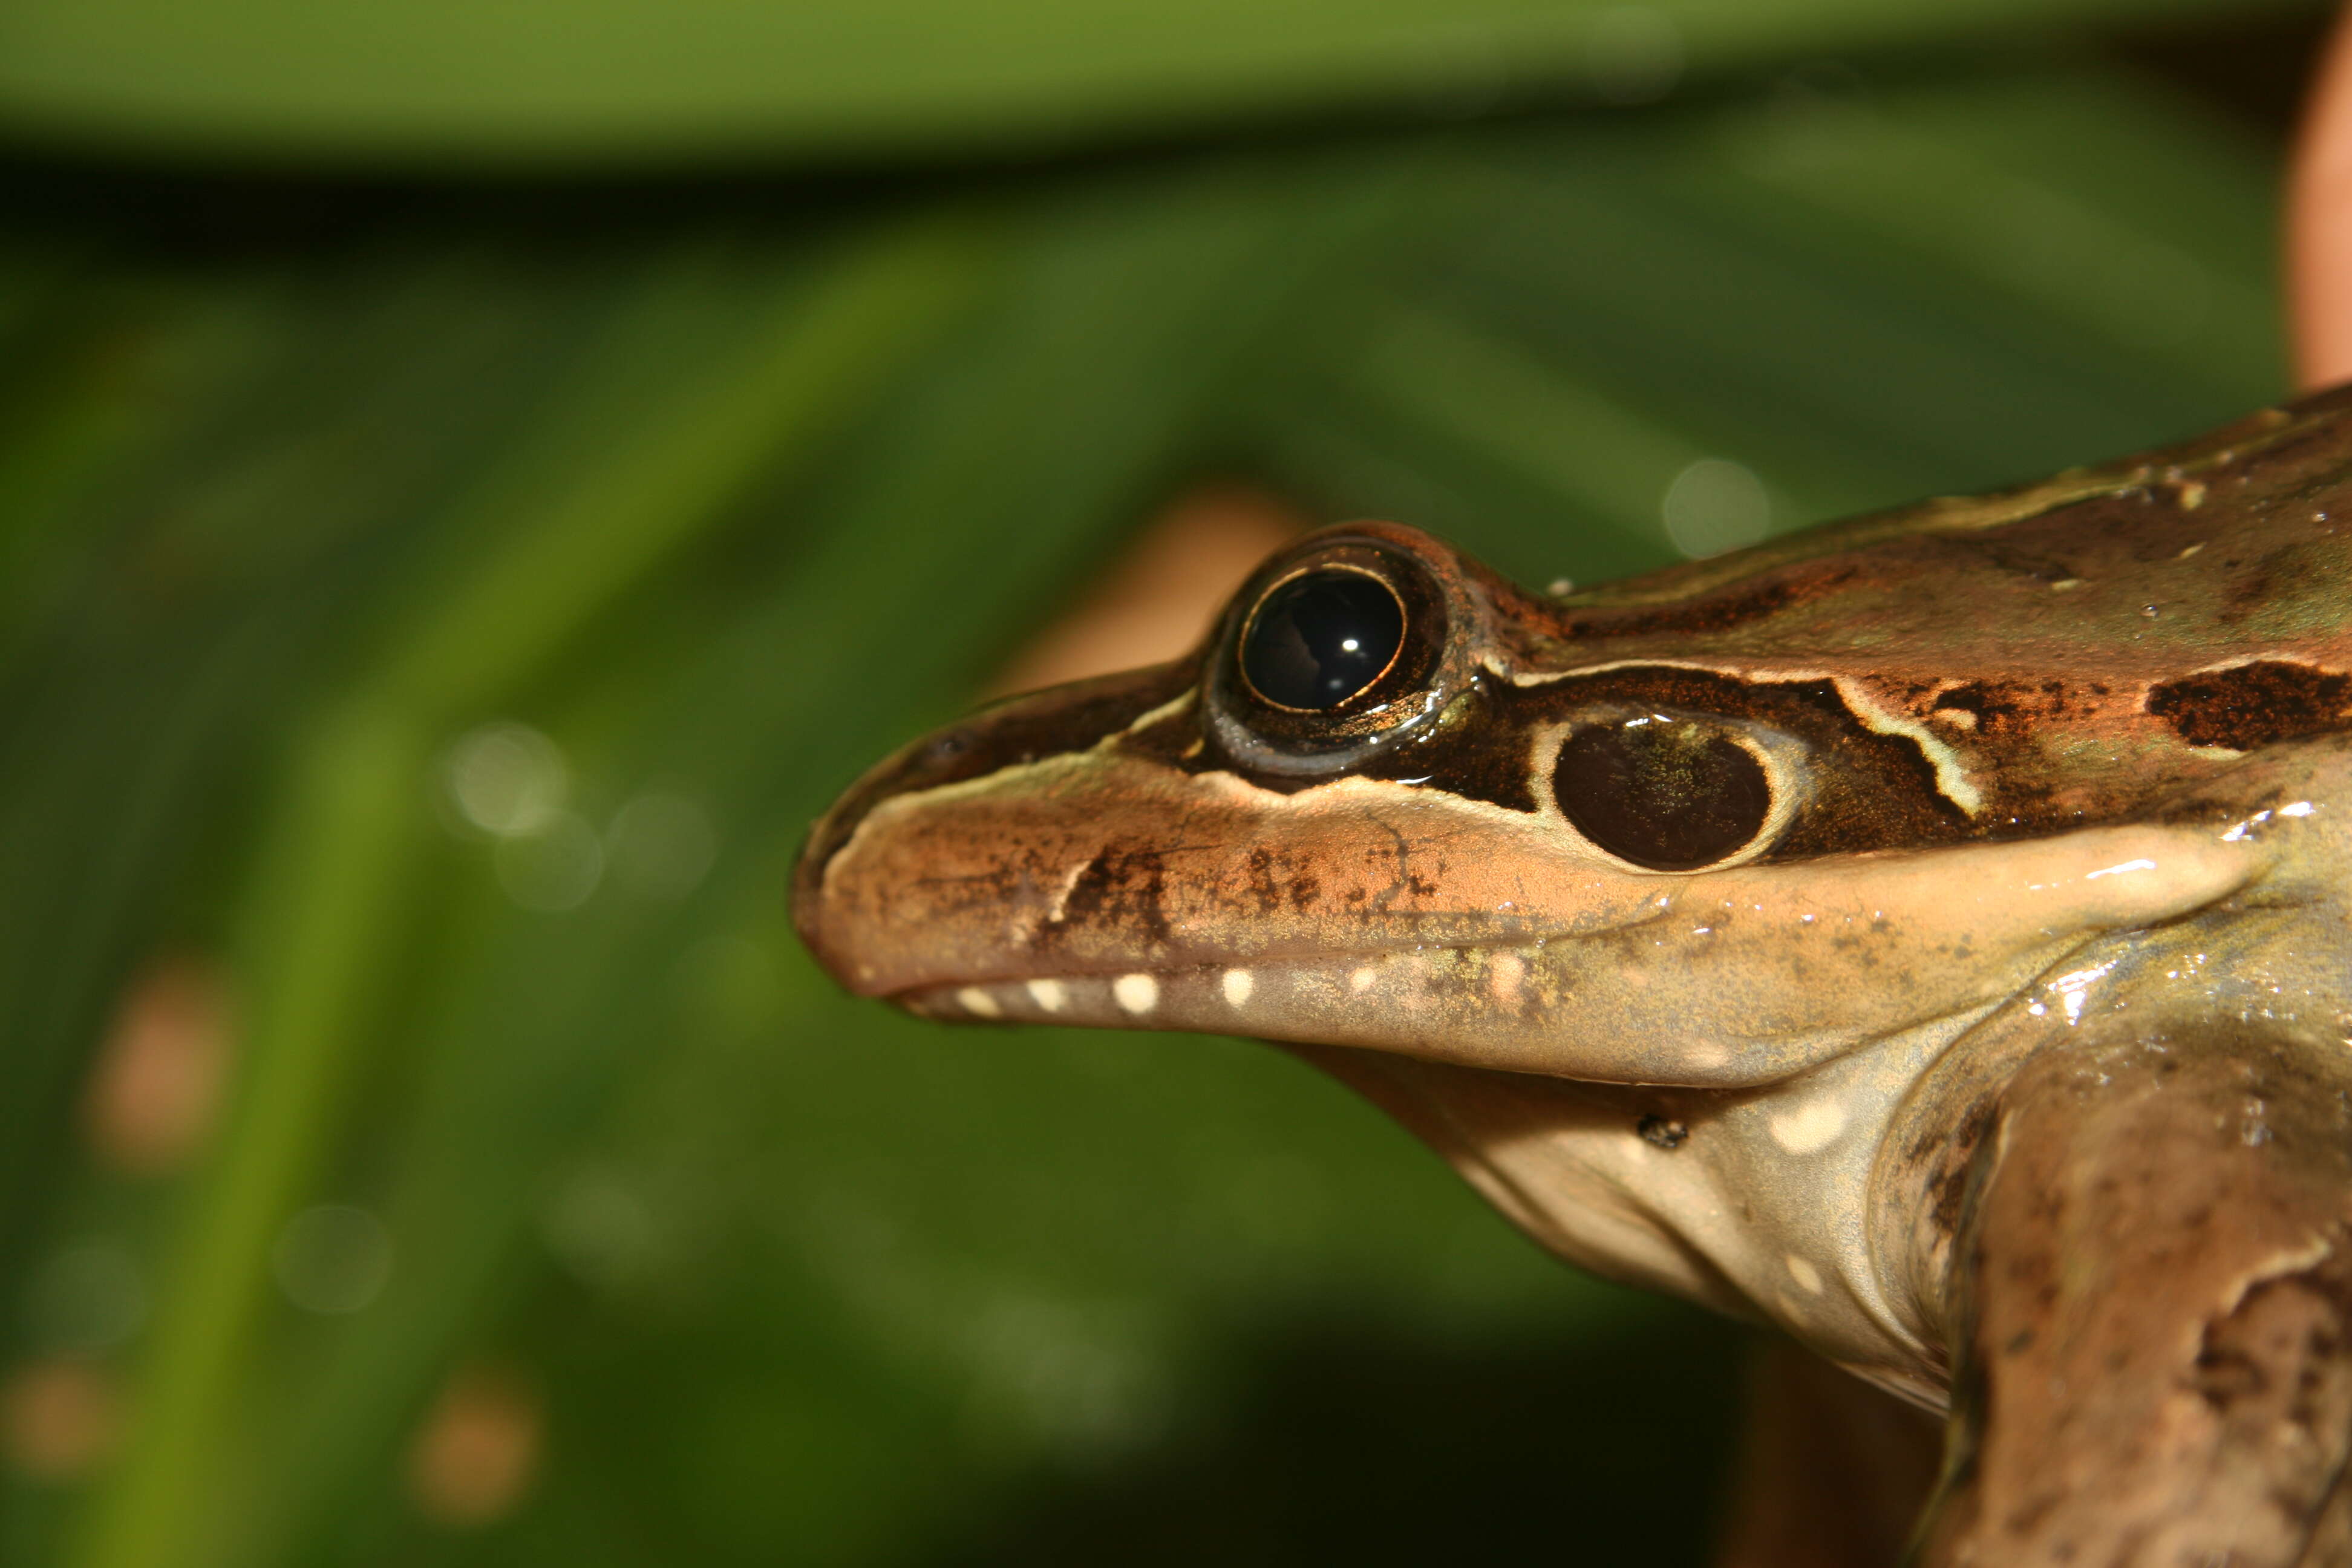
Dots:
{"x": 1321, "y": 637}
{"x": 1662, "y": 793}
{"x": 1346, "y": 644}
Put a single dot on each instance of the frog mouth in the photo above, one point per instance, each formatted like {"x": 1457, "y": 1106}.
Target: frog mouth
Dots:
{"x": 1738, "y": 978}
{"x": 1098, "y": 888}
{"x": 1767, "y": 977}
{"x": 1438, "y": 1002}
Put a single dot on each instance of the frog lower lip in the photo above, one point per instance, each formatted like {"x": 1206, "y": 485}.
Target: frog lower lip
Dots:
{"x": 1423, "y": 1002}
{"x": 1234, "y": 998}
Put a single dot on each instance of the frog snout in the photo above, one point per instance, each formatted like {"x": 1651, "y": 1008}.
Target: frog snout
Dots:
{"x": 860, "y": 931}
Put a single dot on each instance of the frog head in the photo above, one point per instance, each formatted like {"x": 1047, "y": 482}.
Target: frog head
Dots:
{"x": 1695, "y": 917}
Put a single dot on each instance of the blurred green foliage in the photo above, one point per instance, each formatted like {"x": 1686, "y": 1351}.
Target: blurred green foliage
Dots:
{"x": 616, "y": 83}
{"x": 439, "y": 608}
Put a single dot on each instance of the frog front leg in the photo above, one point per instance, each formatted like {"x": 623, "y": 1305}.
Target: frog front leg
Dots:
{"x": 2151, "y": 1309}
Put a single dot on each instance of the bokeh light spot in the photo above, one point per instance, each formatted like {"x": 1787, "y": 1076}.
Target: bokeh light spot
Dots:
{"x": 601, "y": 1227}
{"x": 660, "y": 845}
{"x": 553, "y": 867}
{"x": 333, "y": 1259}
{"x": 1714, "y": 505}
{"x": 155, "y": 1086}
{"x": 59, "y": 1419}
{"x": 505, "y": 778}
{"x": 89, "y": 1297}
{"x": 476, "y": 1452}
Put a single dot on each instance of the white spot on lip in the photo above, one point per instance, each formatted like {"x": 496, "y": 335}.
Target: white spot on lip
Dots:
{"x": 1239, "y": 984}
{"x": 1810, "y": 1127}
{"x": 1050, "y": 994}
{"x": 1802, "y": 1271}
{"x": 1362, "y": 979}
{"x": 1137, "y": 994}
{"x": 979, "y": 1003}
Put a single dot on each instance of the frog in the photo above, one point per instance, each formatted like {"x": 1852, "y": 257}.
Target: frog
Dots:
{"x": 1928, "y": 935}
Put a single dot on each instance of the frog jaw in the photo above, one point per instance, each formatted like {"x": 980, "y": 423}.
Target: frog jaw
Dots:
{"x": 1100, "y": 888}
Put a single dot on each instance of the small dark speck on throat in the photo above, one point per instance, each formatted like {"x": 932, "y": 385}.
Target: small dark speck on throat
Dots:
{"x": 1663, "y": 1131}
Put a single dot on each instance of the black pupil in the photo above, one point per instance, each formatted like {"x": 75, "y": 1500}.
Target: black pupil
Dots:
{"x": 1321, "y": 637}
{"x": 1664, "y": 793}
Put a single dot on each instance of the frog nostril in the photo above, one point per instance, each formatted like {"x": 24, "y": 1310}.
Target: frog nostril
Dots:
{"x": 1321, "y": 637}
{"x": 1668, "y": 794}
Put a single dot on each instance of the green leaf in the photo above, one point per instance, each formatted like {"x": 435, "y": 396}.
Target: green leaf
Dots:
{"x": 647, "y": 81}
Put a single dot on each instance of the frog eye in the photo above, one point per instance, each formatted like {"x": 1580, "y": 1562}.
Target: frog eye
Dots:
{"x": 1662, "y": 793}
{"x": 1347, "y": 643}
{"x": 1319, "y": 638}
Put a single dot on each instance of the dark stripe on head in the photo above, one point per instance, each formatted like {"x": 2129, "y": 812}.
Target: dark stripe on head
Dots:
{"x": 2250, "y": 706}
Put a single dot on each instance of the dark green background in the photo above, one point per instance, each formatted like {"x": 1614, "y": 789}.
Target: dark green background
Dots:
{"x": 727, "y": 408}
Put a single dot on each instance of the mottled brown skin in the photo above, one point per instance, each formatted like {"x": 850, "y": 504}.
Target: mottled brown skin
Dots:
{"x": 2056, "y": 784}
{"x": 2156, "y": 1365}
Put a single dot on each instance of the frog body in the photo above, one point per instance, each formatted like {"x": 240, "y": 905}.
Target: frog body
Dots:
{"x": 1700, "y": 921}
